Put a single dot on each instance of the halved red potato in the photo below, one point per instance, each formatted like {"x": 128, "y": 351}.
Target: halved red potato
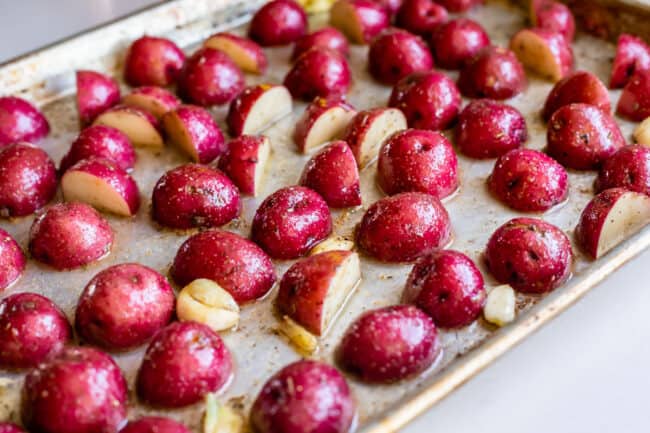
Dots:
{"x": 360, "y": 20}
{"x": 369, "y": 129}
{"x": 396, "y": 53}
{"x": 642, "y": 133}
{"x": 421, "y": 17}
{"x": 325, "y": 119}
{"x": 245, "y": 160}
{"x": 317, "y": 72}
{"x": 327, "y": 37}
{"x": 579, "y": 87}
{"x": 258, "y": 107}
{"x": 459, "y": 5}
{"x": 246, "y": 54}
{"x": 103, "y": 185}
{"x": 103, "y": 142}
{"x": 628, "y": 168}
{"x": 96, "y": 93}
{"x": 494, "y": 72}
{"x": 457, "y": 41}
{"x": 278, "y": 22}
{"x": 20, "y": 121}
{"x": 195, "y": 132}
{"x": 12, "y": 261}
{"x": 313, "y": 290}
{"x": 632, "y": 55}
{"x": 141, "y": 127}
{"x": 545, "y": 52}
{"x": 153, "y": 61}
{"x": 553, "y": 15}
{"x": 634, "y": 103}
{"x": 155, "y": 100}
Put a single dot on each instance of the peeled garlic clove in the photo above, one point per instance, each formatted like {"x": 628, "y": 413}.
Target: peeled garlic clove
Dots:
{"x": 220, "y": 418}
{"x": 500, "y": 305}
{"x": 333, "y": 243}
{"x": 302, "y": 339}
{"x": 206, "y": 302}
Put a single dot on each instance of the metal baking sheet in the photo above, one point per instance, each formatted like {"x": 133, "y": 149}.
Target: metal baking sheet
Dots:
{"x": 46, "y": 77}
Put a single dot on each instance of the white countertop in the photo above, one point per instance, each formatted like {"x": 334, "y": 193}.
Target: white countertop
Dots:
{"x": 587, "y": 371}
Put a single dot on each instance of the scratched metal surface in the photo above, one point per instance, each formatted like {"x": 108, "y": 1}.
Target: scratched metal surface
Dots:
{"x": 257, "y": 350}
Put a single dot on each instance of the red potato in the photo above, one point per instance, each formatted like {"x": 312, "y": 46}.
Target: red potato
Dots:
{"x": 447, "y": 286}
{"x": 628, "y": 168}
{"x": 7, "y": 427}
{"x": 420, "y": 161}
{"x": 304, "y": 397}
{"x": 421, "y": 17}
{"x": 327, "y": 37}
{"x": 210, "y": 77}
{"x": 290, "y": 222}
{"x": 153, "y": 61}
{"x": 103, "y": 185}
{"x": 96, "y": 93}
{"x": 634, "y": 103}
{"x": 246, "y": 54}
{"x": 359, "y": 20}
{"x": 391, "y": 6}
{"x": 324, "y": 120}
{"x": 457, "y": 41}
{"x": 609, "y": 218}
{"x": 102, "y": 142}
{"x": 313, "y": 290}
{"x": 193, "y": 195}
{"x": 236, "y": 264}
{"x": 70, "y": 235}
{"x": 20, "y": 121}
{"x": 632, "y": 55}
{"x": 155, "y": 100}
{"x": 195, "y": 132}
{"x": 154, "y": 424}
{"x": 245, "y": 161}
{"x": 368, "y": 130}
{"x": 494, "y": 72}
{"x": 404, "y": 227}
{"x": 279, "y": 22}
{"x": 184, "y": 361}
{"x": 489, "y": 129}
{"x": 32, "y": 330}
{"x": 389, "y": 344}
{"x": 333, "y": 174}
{"x": 528, "y": 181}
{"x": 545, "y": 52}
{"x": 429, "y": 100}
{"x": 80, "y": 391}
{"x": 12, "y": 261}
{"x": 123, "y": 306}
{"x": 553, "y": 15}
{"x": 319, "y": 72}
{"x": 258, "y": 107}
{"x": 459, "y": 5}
{"x": 531, "y": 255}
{"x": 394, "y": 54}
{"x": 142, "y": 128}
{"x": 27, "y": 179}
{"x": 579, "y": 87}
{"x": 582, "y": 136}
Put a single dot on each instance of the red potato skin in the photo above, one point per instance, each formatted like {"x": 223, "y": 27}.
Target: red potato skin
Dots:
{"x": 203, "y": 131}
{"x": 447, "y": 286}
{"x": 123, "y": 306}
{"x": 103, "y": 142}
{"x": 531, "y": 255}
{"x": 278, "y": 22}
{"x": 304, "y": 287}
{"x": 236, "y": 264}
{"x": 457, "y": 41}
{"x": 7, "y": 427}
{"x": 582, "y": 136}
{"x": 420, "y": 161}
{"x": 304, "y": 397}
{"x": 251, "y": 48}
{"x": 371, "y": 16}
{"x": 20, "y": 121}
{"x": 12, "y": 261}
{"x": 95, "y": 94}
{"x": 166, "y": 100}
{"x": 554, "y": 16}
{"x": 183, "y": 362}
{"x": 389, "y": 344}
{"x": 70, "y": 235}
{"x": 404, "y": 227}
{"x": 429, "y": 100}
{"x": 634, "y": 103}
{"x": 240, "y": 161}
{"x": 578, "y": 87}
{"x": 64, "y": 395}
{"x": 632, "y": 55}
{"x": 489, "y": 129}
{"x": 628, "y": 168}
{"x": 241, "y": 106}
{"x": 27, "y": 180}
{"x": 421, "y": 17}
{"x": 394, "y": 54}
{"x": 210, "y": 77}
{"x": 333, "y": 173}
{"x": 312, "y": 113}
{"x": 290, "y": 222}
{"x": 155, "y": 424}
{"x": 153, "y": 61}
{"x": 391, "y": 6}
{"x": 327, "y": 37}
{"x": 459, "y": 5}
{"x": 494, "y": 72}
{"x": 319, "y": 72}
{"x": 32, "y": 330}
{"x": 528, "y": 181}
{"x": 192, "y": 196}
